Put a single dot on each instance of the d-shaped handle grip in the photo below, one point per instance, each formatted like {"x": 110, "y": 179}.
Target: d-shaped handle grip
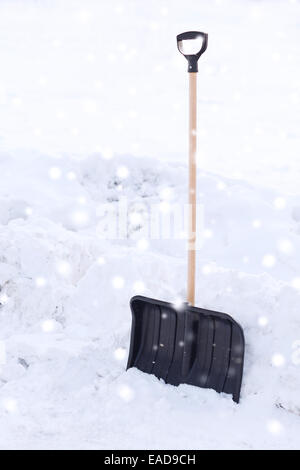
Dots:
{"x": 192, "y": 45}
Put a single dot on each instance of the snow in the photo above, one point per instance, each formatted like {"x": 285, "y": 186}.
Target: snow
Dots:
{"x": 93, "y": 119}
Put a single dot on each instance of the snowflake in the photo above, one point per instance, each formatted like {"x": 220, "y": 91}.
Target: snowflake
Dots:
{"x": 166, "y": 193}
{"x": 269, "y": 261}
{"x": 120, "y": 354}
{"x": 207, "y": 269}
{"x": 56, "y": 43}
{"x": 178, "y": 304}
{"x": 2, "y": 353}
{"x": 118, "y": 282}
{"x": 80, "y": 218}
{"x": 89, "y": 106}
{"x": 256, "y": 223}
{"x": 101, "y": 260}
{"x": 28, "y": 211}
{"x": 274, "y": 427}
{"x": 143, "y": 244}
{"x": 279, "y": 203}
{"x": 10, "y": 405}
{"x": 285, "y": 246}
{"x": 278, "y": 360}
{"x": 61, "y": 115}
{"x": 122, "y": 172}
{"x": 263, "y": 321}
{"x": 135, "y": 218}
{"x": 71, "y": 175}
{"x": 107, "y": 153}
{"x": 207, "y": 233}
{"x": 164, "y": 207}
{"x": 40, "y": 282}
{"x": 74, "y": 131}
{"x": 296, "y": 283}
{"x": 55, "y": 173}
{"x": 48, "y": 326}
{"x": 126, "y": 393}
{"x": 84, "y": 16}
{"x": 91, "y": 57}
{"x": 221, "y": 186}
{"x": 3, "y": 299}
{"x": 82, "y": 200}
{"x": 63, "y": 268}
{"x": 17, "y": 102}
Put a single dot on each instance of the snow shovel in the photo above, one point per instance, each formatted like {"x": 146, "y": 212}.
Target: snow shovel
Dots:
{"x": 188, "y": 345}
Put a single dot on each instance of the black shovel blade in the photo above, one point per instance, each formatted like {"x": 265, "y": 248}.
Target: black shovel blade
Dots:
{"x": 187, "y": 346}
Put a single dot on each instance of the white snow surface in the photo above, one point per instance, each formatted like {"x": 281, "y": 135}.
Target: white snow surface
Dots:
{"x": 93, "y": 111}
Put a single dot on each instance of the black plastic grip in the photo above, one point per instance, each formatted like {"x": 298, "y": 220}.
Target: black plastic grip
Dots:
{"x": 192, "y": 58}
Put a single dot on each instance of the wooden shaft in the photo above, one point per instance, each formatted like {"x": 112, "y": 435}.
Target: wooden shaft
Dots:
{"x": 192, "y": 189}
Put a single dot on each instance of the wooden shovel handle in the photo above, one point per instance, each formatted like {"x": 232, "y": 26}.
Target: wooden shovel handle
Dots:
{"x": 192, "y": 189}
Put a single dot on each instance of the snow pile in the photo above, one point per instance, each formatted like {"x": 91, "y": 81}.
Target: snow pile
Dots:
{"x": 65, "y": 319}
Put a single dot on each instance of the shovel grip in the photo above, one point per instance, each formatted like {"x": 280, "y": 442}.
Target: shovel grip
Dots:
{"x": 192, "y": 58}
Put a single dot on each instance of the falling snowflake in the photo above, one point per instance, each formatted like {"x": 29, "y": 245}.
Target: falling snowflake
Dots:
{"x": 101, "y": 260}
{"x": 91, "y": 57}
{"x": 285, "y": 246}
{"x": 71, "y": 175}
{"x": 207, "y": 233}
{"x": 118, "y": 282}
{"x": 3, "y": 299}
{"x": 256, "y": 223}
{"x": 84, "y": 16}
{"x": 164, "y": 207}
{"x": 28, "y": 211}
{"x": 274, "y": 427}
{"x": 296, "y": 283}
{"x": 40, "y": 282}
{"x": 107, "y": 153}
{"x": 135, "y": 218}
{"x": 17, "y": 102}
{"x": 269, "y": 261}
{"x": 119, "y": 9}
{"x": 178, "y": 303}
{"x": 2, "y": 353}
{"x": 80, "y": 217}
{"x": 263, "y": 321}
{"x": 61, "y": 115}
{"x": 48, "y": 326}
{"x": 279, "y": 203}
{"x": 56, "y": 43}
{"x": 278, "y": 360}
{"x": 82, "y": 200}
{"x": 207, "y": 269}
{"x": 143, "y": 244}
{"x": 126, "y": 393}
{"x": 120, "y": 354}
{"x": 55, "y": 173}
{"x": 221, "y": 186}
{"x": 122, "y": 172}
{"x": 166, "y": 193}
{"x": 10, "y": 405}
{"x": 63, "y": 268}
{"x": 89, "y": 106}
